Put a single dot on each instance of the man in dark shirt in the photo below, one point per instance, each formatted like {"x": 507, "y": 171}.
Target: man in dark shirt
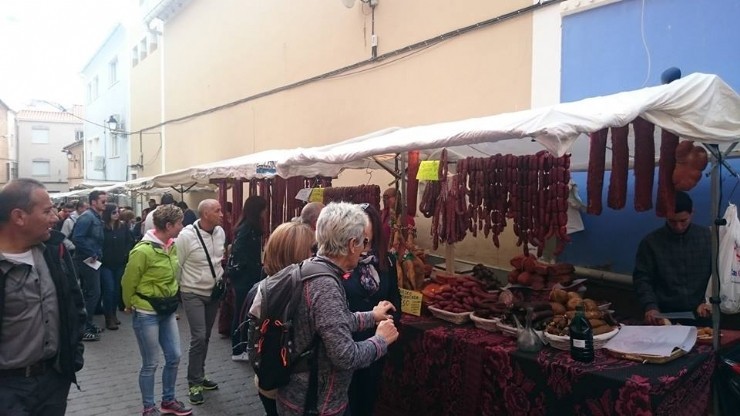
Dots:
{"x": 88, "y": 237}
{"x": 41, "y": 309}
{"x": 673, "y": 265}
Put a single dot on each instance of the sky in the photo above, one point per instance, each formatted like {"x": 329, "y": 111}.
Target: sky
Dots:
{"x": 44, "y": 45}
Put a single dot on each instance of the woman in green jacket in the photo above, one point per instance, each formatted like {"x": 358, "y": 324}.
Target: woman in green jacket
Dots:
{"x": 149, "y": 279}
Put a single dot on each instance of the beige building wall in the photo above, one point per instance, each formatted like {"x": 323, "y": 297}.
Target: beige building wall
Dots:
{"x": 6, "y": 135}
{"x": 146, "y": 110}
{"x": 76, "y": 163}
{"x": 242, "y": 48}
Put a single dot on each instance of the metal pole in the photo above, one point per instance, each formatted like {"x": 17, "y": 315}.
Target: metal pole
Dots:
{"x": 715, "y": 249}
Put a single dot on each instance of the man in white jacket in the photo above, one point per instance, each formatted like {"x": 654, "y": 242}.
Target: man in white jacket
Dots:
{"x": 200, "y": 248}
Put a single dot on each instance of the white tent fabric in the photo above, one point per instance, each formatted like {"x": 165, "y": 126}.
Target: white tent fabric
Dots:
{"x": 257, "y": 165}
{"x": 700, "y": 107}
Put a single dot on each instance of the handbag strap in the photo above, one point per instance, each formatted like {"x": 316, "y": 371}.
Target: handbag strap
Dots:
{"x": 203, "y": 244}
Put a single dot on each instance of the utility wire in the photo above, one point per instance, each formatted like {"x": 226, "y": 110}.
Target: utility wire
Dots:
{"x": 341, "y": 71}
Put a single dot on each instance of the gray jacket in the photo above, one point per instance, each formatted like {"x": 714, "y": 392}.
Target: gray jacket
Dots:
{"x": 324, "y": 311}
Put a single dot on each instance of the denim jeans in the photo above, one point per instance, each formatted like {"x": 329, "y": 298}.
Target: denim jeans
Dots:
{"x": 153, "y": 332}
{"x": 42, "y": 395}
{"x": 110, "y": 281}
{"x": 90, "y": 283}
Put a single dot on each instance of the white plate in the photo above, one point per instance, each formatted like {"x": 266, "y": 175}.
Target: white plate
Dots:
{"x": 574, "y": 283}
{"x": 602, "y": 337}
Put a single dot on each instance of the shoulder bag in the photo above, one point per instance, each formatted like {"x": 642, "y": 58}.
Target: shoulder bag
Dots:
{"x": 218, "y": 287}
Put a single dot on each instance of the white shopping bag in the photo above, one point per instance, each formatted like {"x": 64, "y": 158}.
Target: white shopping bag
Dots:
{"x": 729, "y": 262}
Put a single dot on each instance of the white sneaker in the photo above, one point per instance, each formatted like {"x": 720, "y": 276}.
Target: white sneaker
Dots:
{"x": 241, "y": 357}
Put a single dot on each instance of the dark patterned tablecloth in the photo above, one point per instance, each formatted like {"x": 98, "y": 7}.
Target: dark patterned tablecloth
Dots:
{"x": 443, "y": 369}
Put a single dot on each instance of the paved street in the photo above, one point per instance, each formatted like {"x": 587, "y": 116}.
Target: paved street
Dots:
{"x": 109, "y": 381}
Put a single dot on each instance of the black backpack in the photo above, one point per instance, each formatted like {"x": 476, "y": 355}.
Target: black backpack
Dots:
{"x": 270, "y": 345}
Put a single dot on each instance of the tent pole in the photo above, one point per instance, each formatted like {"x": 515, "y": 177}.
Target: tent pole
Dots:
{"x": 401, "y": 175}
{"x": 715, "y": 191}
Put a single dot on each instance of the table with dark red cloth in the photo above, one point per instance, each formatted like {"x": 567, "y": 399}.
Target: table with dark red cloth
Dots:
{"x": 437, "y": 368}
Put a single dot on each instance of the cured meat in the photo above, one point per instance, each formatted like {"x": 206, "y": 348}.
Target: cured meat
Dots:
{"x": 666, "y": 191}
{"x": 690, "y": 163}
{"x": 412, "y": 184}
{"x": 596, "y": 164}
{"x": 617, "y": 196}
{"x": 644, "y": 163}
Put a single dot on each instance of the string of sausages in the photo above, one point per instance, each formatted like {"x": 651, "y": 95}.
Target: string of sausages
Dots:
{"x": 280, "y": 195}
{"x": 679, "y": 168}
{"x": 531, "y": 190}
{"x": 356, "y": 194}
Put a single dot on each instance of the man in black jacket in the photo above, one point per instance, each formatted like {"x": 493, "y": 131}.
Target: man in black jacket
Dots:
{"x": 42, "y": 314}
{"x": 673, "y": 265}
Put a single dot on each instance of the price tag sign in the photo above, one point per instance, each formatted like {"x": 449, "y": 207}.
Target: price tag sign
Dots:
{"x": 317, "y": 195}
{"x": 428, "y": 170}
{"x": 304, "y": 194}
{"x": 411, "y": 302}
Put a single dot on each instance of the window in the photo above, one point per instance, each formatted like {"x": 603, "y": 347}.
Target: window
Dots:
{"x": 135, "y": 56}
{"x": 39, "y": 135}
{"x": 95, "y": 88}
{"x": 153, "y": 42}
{"x": 40, "y": 168}
{"x": 89, "y": 92}
{"x": 113, "y": 71}
{"x": 79, "y": 135}
{"x": 113, "y": 145}
{"x": 142, "y": 49}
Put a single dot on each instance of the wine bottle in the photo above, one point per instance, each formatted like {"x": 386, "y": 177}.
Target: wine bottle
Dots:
{"x": 581, "y": 337}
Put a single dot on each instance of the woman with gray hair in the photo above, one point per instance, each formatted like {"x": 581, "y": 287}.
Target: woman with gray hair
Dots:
{"x": 323, "y": 314}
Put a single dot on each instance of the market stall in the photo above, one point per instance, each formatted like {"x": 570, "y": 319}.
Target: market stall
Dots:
{"x": 442, "y": 369}
{"x": 698, "y": 107}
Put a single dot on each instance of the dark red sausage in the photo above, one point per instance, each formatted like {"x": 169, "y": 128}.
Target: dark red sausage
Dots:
{"x": 666, "y": 191}
{"x": 617, "y": 197}
{"x": 644, "y": 164}
{"x": 596, "y": 164}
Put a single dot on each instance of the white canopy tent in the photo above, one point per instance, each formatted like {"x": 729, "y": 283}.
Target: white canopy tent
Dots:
{"x": 700, "y": 107}
{"x": 256, "y": 165}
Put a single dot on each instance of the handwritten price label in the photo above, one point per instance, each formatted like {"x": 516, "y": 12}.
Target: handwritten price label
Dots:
{"x": 411, "y": 302}
{"x": 428, "y": 170}
{"x": 317, "y": 195}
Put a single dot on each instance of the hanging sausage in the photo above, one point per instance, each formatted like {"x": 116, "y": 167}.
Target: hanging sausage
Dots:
{"x": 617, "y": 196}
{"x": 644, "y": 163}
{"x": 666, "y": 192}
{"x": 596, "y": 165}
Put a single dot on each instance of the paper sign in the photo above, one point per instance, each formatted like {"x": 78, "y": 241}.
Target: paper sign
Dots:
{"x": 317, "y": 195}
{"x": 92, "y": 263}
{"x": 304, "y": 194}
{"x": 411, "y": 302}
{"x": 428, "y": 170}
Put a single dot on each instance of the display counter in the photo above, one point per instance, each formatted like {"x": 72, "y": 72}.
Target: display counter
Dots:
{"x": 437, "y": 368}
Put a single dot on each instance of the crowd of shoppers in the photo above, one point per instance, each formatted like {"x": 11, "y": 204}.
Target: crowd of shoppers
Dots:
{"x": 93, "y": 254}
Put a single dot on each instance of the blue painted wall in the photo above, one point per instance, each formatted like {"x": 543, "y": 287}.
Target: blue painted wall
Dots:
{"x": 603, "y": 53}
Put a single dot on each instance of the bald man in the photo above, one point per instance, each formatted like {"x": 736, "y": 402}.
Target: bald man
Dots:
{"x": 200, "y": 248}
{"x": 310, "y": 213}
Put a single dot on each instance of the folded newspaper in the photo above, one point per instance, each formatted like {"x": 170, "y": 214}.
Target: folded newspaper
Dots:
{"x": 658, "y": 341}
